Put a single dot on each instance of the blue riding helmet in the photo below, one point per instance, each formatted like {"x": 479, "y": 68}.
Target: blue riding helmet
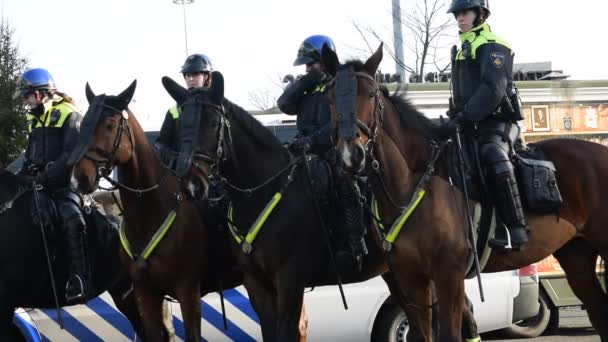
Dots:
{"x": 197, "y": 63}
{"x": 311, "y": 47}
{"x": 34, "y": 79}
{"x": 459, "y": 5}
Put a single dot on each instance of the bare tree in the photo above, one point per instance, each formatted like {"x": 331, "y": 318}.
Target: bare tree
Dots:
{"x": 427, "y": 27}
{"x": 427, "y": 24}
{"x": 261, "y": 99}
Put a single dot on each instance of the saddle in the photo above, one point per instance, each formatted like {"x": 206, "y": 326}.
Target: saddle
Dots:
{"x": 536, "y": 181}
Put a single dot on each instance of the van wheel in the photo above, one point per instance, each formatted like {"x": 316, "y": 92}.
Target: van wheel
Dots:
{"x": 391, "y": 325}
{"x": 537, "y": 325}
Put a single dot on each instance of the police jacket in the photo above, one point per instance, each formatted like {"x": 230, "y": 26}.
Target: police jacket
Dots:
{"x": 307, "y": 98}
{"x": 482, "y": 76}
{"x": 53, "y": 130}
{"x": 167, "y": 137}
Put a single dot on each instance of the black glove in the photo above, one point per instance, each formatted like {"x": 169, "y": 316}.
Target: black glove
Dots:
{"x": 448, "y": 129}
{"x": 301, "y": 145}
{"x": 42, "y": 177}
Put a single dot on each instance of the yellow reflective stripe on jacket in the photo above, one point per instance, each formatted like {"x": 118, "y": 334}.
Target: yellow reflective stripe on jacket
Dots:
{"x": 318, "y": 89}
{"x": 65, "y": 109}
{"x": 479, "y": 36}
{"x": 174, "y": 112}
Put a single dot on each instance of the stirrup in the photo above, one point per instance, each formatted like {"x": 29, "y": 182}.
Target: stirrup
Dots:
{"x": 80, "y": 296}
{"x": 502, "y": 245}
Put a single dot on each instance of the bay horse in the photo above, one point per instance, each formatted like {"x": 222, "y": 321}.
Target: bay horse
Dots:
{"x": 24, "y": 276}
{"x": 387, "y": 138}
{"x": 187, "y": 261}
{"x": 290, "y": 251}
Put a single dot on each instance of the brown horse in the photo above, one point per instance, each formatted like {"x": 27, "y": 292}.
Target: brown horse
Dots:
{"x": 386, "y": 137}
{"x": 176, "y": 264}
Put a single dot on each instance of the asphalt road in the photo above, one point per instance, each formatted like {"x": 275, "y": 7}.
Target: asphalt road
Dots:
{"x": 573, "y": 326}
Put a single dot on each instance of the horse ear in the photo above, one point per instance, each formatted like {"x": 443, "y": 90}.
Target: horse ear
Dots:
{"x": 329, "y": 58}
{"x": 89, "y": 92}
{"x": 372, "y": 63}
{"x": 177, "y": 92}
{"x": 217, "y": 87}
{"x": 126, "y": 96}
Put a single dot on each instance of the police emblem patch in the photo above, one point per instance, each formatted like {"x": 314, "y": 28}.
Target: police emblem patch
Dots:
{"x": 498, "y": 59}
{"x": 55, "y": 114}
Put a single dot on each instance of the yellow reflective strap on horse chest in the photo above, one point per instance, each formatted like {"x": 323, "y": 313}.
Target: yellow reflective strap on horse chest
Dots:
{"x": 233, "y": 229}
{"x": 159, "y": 235}
{"x": 477, "y": 339}
{"x": 123, "y": 239}
{"x": 400, "y": 221}
{"x": 259, "y": 222}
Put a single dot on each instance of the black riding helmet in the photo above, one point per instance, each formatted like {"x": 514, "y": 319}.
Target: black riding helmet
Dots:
{"x": 197, "y": 63}
{"x": 459, "y": 5}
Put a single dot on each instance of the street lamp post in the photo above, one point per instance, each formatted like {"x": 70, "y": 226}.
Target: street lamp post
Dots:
{"x": 184, "y": 3}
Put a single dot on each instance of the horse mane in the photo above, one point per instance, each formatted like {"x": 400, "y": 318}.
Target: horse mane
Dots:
{"x": 252, "y": 126}
{"x": 409, "y": 116}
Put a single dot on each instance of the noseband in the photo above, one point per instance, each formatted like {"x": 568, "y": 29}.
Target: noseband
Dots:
{"x": 106, "y": 163}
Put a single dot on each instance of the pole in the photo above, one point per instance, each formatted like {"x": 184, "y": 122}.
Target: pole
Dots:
{"x": 185, "y": 29}
{"x": 46, "y": 252}
{"x": 469, "y": 217}
{"x": 398, "y": 40}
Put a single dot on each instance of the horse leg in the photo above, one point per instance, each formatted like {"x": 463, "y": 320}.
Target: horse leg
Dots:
{"x": 469, "y": 325}
{"x": 6, "y": 318}
{"x": 189, "y": 296}
{"x": 416, "y": 295}
{"x": 124, "y": 299}
{"x": 264, "y": 302}
{"x": 290, "y": 297}
{"x": 578, "y": 261}
{"x": 149, "y": 304}
{"x": 450, "y": 294}
{"x": 414, "y": 333}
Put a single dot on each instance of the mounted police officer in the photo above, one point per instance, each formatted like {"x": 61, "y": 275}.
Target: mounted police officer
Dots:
{"x": 484, "y": 102}
{"x": 53, "y": 123}
{"x": 197, "y": 71}
{"x": 307, "y": 98}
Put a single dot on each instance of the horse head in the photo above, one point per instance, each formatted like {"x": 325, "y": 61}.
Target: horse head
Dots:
{"x": 203, "y": 130}
{"x": 355, "y": 104}
{"x": 106, "y": 139}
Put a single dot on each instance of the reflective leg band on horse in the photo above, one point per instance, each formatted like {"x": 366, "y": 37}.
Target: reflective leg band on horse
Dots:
{"x": 156, "y": 239}
{"x": 247, "y": 241}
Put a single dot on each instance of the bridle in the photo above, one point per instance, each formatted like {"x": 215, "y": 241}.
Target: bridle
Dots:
{"x": 104, "y": 165}
{"x": 224, "y": 138}
{"x": 378, "y": 114}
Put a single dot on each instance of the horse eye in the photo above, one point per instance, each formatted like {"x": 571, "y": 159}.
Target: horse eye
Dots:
{"x": 372, "y": 94}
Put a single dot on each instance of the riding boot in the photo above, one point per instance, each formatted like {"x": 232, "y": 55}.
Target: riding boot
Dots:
{"x": 76, "y": 287}
{"x": 508, "y": 204}
{"x": 350, "y": 256}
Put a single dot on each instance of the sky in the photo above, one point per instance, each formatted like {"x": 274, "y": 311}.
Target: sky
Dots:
{"x": 109, "y": 43}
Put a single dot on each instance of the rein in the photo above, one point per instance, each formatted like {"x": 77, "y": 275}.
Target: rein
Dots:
{"x": 6, "y": 206}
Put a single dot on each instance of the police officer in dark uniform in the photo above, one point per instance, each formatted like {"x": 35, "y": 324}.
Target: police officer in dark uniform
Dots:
{"x": 53, "y": 124}
{"x": 484, "y": 103}
{"x": 197, "y": 71}
{"x": 307, "y": 98}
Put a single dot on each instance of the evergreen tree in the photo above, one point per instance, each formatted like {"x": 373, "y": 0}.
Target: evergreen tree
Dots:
{"x": 13, "y": 128}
